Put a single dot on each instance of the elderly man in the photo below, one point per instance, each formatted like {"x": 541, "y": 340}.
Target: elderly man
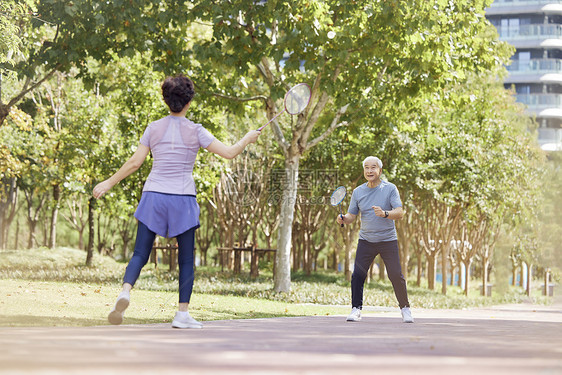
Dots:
{"x": 379, "y": 204}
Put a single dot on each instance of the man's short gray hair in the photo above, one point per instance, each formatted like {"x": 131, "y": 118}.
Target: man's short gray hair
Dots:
{"x": 373, "y": 158}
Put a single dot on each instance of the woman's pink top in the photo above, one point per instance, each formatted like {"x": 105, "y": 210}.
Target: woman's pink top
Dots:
{"x": 174, "y": 142}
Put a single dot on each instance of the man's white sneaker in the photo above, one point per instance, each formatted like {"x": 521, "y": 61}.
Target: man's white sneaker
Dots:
{"x": 184, "y": 320}
{"x": 355, "y": 315}
{"x": 116, "y": 315}
{"x": 407, "y": 315}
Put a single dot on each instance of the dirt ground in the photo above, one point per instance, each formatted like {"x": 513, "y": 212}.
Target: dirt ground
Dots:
{"x": 509, "y": 339}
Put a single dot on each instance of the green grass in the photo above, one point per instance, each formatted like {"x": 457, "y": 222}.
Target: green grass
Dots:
{"x": 43, "y": 287}
{"x": 50, "y": 303}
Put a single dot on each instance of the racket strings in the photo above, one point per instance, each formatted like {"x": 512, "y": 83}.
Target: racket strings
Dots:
{"x": 337, "y": 196}
{"x": 297, "y": 99}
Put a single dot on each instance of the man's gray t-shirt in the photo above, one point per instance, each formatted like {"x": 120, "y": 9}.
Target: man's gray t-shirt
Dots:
{"x": 373, "y": 227}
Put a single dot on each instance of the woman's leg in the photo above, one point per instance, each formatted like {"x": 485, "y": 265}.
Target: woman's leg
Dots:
{"x": 390, "y": 255}
{"x": 186, "y": 258}
{"x": 143, "y": 247}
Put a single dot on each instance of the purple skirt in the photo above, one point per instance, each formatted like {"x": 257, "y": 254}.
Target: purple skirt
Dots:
{"x": 168, "y": 215}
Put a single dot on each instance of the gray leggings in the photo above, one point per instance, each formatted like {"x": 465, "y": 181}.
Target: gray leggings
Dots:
{"x": 366, "y": 253}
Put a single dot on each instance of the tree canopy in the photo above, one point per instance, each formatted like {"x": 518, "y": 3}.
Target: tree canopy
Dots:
{"x": 413, "y": 82}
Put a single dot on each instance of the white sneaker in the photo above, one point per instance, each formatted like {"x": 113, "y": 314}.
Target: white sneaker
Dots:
{"x": 184, "y": 320}
{"x": 116, "y": 315}
{"x": 407, "y": 315}
{"x": 355, "y": 315}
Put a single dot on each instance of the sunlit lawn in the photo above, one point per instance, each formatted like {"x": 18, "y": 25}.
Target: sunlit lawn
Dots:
{"x": 43, "y": 287}
{"x": 50, "y": 303}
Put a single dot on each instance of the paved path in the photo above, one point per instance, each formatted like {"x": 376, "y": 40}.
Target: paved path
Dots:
{"x": 517, "y": 339}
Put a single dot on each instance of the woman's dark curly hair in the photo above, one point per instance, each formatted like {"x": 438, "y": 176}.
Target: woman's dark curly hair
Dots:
{"x": 177, "y": 92}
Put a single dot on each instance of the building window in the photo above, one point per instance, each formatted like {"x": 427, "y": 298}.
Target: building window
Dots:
{"x": 523, "y": 89}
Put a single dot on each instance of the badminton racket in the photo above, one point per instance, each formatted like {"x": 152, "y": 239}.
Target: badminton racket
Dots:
{"x": 337, "y": 197}
{"x": 296, "y": 100}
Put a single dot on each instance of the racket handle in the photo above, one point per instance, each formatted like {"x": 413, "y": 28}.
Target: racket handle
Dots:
{"x": 342, "y": 219}
{"x": 342, "y": 225}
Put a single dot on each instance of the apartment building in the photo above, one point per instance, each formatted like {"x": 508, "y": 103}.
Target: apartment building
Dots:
{"x": 534, "y": 28}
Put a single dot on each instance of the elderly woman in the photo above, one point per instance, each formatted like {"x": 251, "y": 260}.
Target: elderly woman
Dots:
{"x": 379, "y": 203}
{"x": 168, "y": 205}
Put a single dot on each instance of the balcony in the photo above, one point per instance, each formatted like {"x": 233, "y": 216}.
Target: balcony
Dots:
{"x": 539, "y": 102}
{"x": 535, "y": 66}
{"x": 533, "y": 32}
{"x": 504, "y": 7}
{"x": 511, "y": 3}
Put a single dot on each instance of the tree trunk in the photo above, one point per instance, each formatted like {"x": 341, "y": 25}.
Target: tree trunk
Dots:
{"x": 529, "y": 278}
{"x": 8, "y": 204}
{"x": 308, "y": 253}
{"x": 296, "y": 245}
{"x": 124, "y": 251}
{"x": 349, "y": 246}
{"x": 33, "y": 217}
{"x": 54, "y": 216}
{"x": 431, "y": 271}
{"x": 444, "y": 266}
{"x": 31, "y": 239}
{"x": 405, "y": 258}
{"x": 419, "y": 270}
{"x": 3, "y": 229}
{"x": 452, "y": 280}
{"x": 90, "y": 249}
{"x": 484, "y": 276}
{"x": 382, "y": 269}
{"x": 4, "y": 112}
{"x": 17, "y": 237}
{"x": 282, "y": 279}
{"x": 81, "y": 239}
{"x": 404, "y": 229}
{"x": 335, "y": 259}
{"x": 466, "y": 276}
{"x": 46, "y": 231}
